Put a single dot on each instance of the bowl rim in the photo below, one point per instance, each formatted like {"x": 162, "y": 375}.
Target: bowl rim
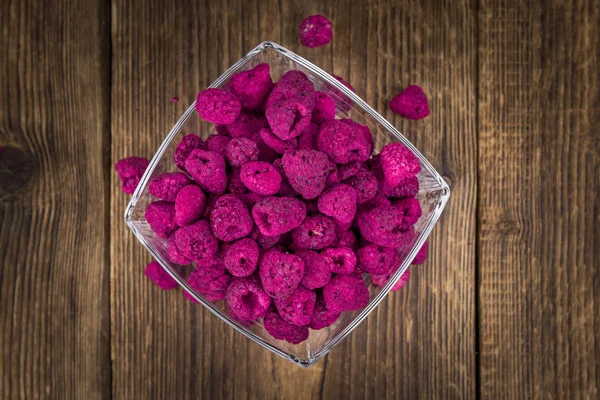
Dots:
{"x": 444, "y": 196}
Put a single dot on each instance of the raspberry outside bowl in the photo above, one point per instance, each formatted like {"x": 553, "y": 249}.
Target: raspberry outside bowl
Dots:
{"x": 432, "y": 196}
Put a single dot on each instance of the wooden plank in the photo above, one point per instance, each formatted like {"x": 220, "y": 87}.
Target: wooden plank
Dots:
{"x": 54, "y": 306}
{"x": 539, "y": 169}
{"x": 415, "y": 344}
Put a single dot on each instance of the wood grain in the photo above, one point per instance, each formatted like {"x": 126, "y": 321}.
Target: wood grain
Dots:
{"x": 539, "y": 177}
{"x": 54, "y": 306}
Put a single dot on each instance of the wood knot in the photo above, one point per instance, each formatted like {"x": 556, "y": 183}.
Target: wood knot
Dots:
{"x": 16, "y": 169}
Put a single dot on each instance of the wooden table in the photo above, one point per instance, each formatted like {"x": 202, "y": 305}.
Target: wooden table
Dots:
{"x": 508, "y": 304}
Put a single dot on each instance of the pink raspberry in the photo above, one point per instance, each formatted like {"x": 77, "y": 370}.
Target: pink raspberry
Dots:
{"x": 277, "y": 215}
{"x": 343, "y": 142}
{"x": 377, "y": 260}
{"x": 241, "y": 257}
{"x": 235, "y": 184}
{"x": 364, "y": 131}
{"x": 308, "y": 139}
{"x": 241, "y": 150}
{"x": 307, "y": 171}
{"x": 346, "y": 239}
{"x": 383, "y": 225}
{"x": 343, "y": 259}
{"x": 324, "y": 108}
{"x": 130, "y": 172}
{"x": 196, "y": 242}
{"x": 278, "y": 145}
{"x": 365, "y": 184}
{"x": 406, "y": 188}
{"x": 317, "y": 269}
{"x": 188, "y": 144}
{"x": 280, "y": 329}
{"x": 409, "y": 208}
{"x": 174, "y": 253}
{"x": 315, "y": 232}
{"x": 247, "y": 125}
{"x": 161, "y": 217}
{"x": 322, "y": 316}
{"x": 261, "y": 177}
{"x": 410, "y": 103}
{"x": 218, "y": 106}
{"x": 208, "y": 170}
{"x": 338, "y": 202}
{"x": 217, "y": 143}
{"x": 398, "y": 163}
{"x": 315, "y": 31}
{"x": 382, "y": 280}
{"x": 298, "y": 307}
{"x": 422, "y": 254}
{"x": 155, "y": 272}
{"x": 286, "y": 188}
{"x": 246, "y": 299}
{"x": 166, "y": 186}
{"x": 230, "y": 219}
{"x": 210, "y": 281}
{"x": 280, "y": 273}
{"x": 253, "y": 86}
{"x": 345, "y": 293}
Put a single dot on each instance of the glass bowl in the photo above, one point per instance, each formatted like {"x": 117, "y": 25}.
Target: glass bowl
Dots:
{"x": 433, "y": 195}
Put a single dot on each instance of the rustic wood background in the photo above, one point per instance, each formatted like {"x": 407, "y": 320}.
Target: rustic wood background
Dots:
{"x": 508, "y": 304}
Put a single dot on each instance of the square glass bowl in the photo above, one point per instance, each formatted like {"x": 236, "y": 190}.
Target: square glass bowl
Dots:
{"x": 433, "y": 195}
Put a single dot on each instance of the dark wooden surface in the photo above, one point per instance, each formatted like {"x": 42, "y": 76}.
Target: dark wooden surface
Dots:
{"x": 506, "y": 306}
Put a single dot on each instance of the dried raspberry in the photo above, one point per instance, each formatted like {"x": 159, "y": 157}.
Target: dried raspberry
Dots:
{"x": 130, "y": 172}
{"x": 315, "y": 31}
{"x": 280, "y": 329}
{"x": 365, "y": 184}
{"x": 166, "y": 186}
{"x": 188, "y": 144}
{"x": 208, "y": 170}
{"x": 345, "y": 293}
{"x": 322, "y": 316}
{"x": 210, "y": 281}
{"x": 230, "y": 219}
{"x": 338, "y": 202}
{"x": 196, "y": 242}
{"x": 346, "y": 239}
{"x": 316, "y": 232}
{"x": 241, "y": 257}
{"x": 246, "y": 299}
{"x": 317, "y": 269}
{"x": 261, "y": 177}
{"x": 324, "y": 108}
{"x": 155, "y": 272}
{"x": 286, "y": 188}
{"x": 383, "y": 225}
{"x": 253, "y": 86}
{"x": 410, "y": 103}
{"x": 343, "y": 142}
{"x": 241, "y": 150}
{"x": 297, "y": 308}
{"x": 265, "y": 242}
{"x": 377, "y": 260}
{"x": 247, "y": 125}
{"x": 235, "y": 184}
{"x": 174, "y": 253}
{"x": 307, "y": 171}
{"x": 342, "y": 259}
{"x": 278, "y": 145}
{"x": 217, "y": 143}
{"x": 421, "y": 254}
{"x": 346, "y": 171}
{"x": 218, "y": 106}
{"x": 161, "y": 217}
{"x": 398, "y": 163}
{"x": 409, "y": 208}
{"x": 406, "y": 188}
{"x": 280, "y": 273}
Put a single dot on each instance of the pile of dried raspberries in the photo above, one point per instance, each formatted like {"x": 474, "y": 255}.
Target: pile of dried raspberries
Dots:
{"x": 285, "y": 211}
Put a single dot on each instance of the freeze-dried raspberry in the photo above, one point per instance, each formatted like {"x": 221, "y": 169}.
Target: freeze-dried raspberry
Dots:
{"x": 189, "y": 205}
{"x": 230, "y": 219}
{"x": 343, "y": 259}
{"x": 322, "y": 316}
{"x": 377, "y": 260}
{"x": 217, "y": 143}
{"x": 174, "y": 253}
{"x": 188, "y": 144}
{"x": 208, "y": 170}
{"x": 235, "y": 184}
{"x": 286, "y": 188}
{"x": 421, "y": 254}
{"x": 297, "y": 308}
{"x": 130, "y": 172}
{"x": 166, "y": 186}
{"x": 265, "y": 242}
{"x": 246, "y": 299}
{"x": 261, "y": 177}
{"x": 210, "y": 281}
{"x": 361, "y": 130}
{"x": 410, "y": 103}
{"x": 278, "y": 145}
{"x": 343, "y": 142}
{"x": 253, "y": 86}
{"x": 398, "y": 163}
{"x": 383, "y": 225}
{"x": 315, "y": 31}
{"x": 247, "y": 125}
{"x": 382, "y": 280}
{"x": 280, "y": 273}
{"x": 345, "y": 293}
{"x": 218, "y": 106}
{"x": 324, "y": 108}
{"x": 280, "y": 329}
{"x": 241, "y": 257}
{"x": 241, "y": 150}
{"x": 197, "y": 242}
{"x": 365, "y": 184}
{"x": 307, "y": 171}
{"x": 155, "y": 272}
{"x": 315, "y": 232}
{"x": 339, "y": 202}
{"x": 317, "y": 269}
{"x": 406, "y": 188}
{"x": 409, "y": 208}
{"x": 346, "y": 239}
{"x": 161, "y": 217}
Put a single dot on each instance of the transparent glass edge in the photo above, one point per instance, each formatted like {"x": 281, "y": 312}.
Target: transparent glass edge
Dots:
{"x": 357, "y": 100}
